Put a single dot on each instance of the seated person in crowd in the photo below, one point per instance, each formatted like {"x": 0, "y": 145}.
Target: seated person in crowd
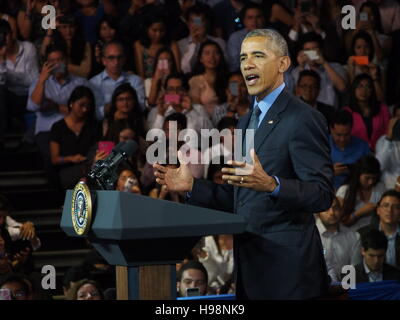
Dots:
{"x": 217, "y": 257}
{"x": 362, "y": 46}
{"x": 177, "y": 99}
{"x": 199, "y": 24}
{"x": 388, "y": 212}
{"x": 113, "y": 58}
{"x": 72, "y": 276}
{"x": 69, "y": 35}
{"x": 19, "y": 67}
{"x": 388, "y": 150}
{"x": 85, "y": 290}
{"x": 72, "y": 137}
{"x": 17, "y": 286}
{"x": 373, "y": 268}
{"x": 253, "y": 18}
{"x": 173, "y": 125}
{"x": 308, "y": 88}
{"x": 48, "y": 98}
{"x": 165, "y": 65}
{"x": 363, "y": 191}
{"x": 154, "y": 37}
{"x": 237, "y": 103}
{"x": 192, "y": 274}
{"x": 333, "y": 76}
{"x": 341, "y": 245}
{"x": 219, "y": 153}
{"x": 370, "y": 116}
{"x": 210, "y": 74}
{"x": 125, "y": 106}
{"x": 345, "y": 148}
{"x": 127, "y": 180}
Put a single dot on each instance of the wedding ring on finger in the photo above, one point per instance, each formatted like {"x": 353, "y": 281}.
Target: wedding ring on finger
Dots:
{"x": 241, "y": 180}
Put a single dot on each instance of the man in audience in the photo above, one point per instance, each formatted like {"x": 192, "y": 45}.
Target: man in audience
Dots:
{"x": 308, "y": 88}
{"x": 373, "y": 268}
{"x": 199, "y": 24}
{"x": 333, "y": 76}
{"x": 19, "y": 66}
{"x": 177, "y": 86}
{"x": 388, "y": 150}
{"x": 341, "y": 245}
{"x": 345, "y": 148}
{"x": 48, "y": 98}
{"x": 192, "y": 275}
{"x": 253, "y": 18}
{"x": 388, "y": 212}
{"x": 113, "y": 58}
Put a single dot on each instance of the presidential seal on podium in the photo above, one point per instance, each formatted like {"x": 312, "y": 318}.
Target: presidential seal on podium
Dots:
{"x": 81, "y": 209}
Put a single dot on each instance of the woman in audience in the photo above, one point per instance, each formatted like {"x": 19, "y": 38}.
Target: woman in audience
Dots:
{"x": 360, "y": 196}
{"x": 153, "y": 38}
{"x": 388, "y": 150}
{"x": 125, "y": 106}
{"x": 69, "y": 35}
{"x": 10, "y": 19}
{"x": 362, "y": 45}
{"x": 165, "y": 65}
{"x": 72, "y": 137}
{"x": 209, "y": 83}
{"x": 85, "y": 290}
{"x": 373, "y": 26}
{"x": 370, "y": 116}
{"x": 90, "y": 12}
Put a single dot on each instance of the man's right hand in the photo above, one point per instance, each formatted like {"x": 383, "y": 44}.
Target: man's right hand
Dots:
{"x": 179, "y": 179}
{"x": 46, "y": 71}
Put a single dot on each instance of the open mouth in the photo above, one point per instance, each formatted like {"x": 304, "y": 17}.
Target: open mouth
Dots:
{"x": 251, "y": 79}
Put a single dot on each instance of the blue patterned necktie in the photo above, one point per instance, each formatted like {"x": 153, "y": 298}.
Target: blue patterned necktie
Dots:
{"x": 253, "y": 124}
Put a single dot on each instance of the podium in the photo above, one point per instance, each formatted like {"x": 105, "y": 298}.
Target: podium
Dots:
{"x": 146, "y": 237}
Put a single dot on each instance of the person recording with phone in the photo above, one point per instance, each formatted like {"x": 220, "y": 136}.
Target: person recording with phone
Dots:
{"x": 48, "y": 97}
{"x": 333, "y": 76}
{"x": 237, "y": 104}
{"x": 176, "y": 99}
{"x": 363, "y": 59}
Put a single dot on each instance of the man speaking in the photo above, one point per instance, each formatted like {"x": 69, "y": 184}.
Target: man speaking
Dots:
{"x": 280, "y": 256}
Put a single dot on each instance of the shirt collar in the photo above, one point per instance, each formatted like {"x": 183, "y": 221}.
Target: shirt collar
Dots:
{"x": 105, "y": 76}
{"x": 368, "y": 272}
{"x": 269, "y": 99}
{"x": 392, "y": 236}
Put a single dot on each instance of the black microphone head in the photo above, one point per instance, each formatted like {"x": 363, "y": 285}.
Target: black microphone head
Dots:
{"x": 129, "y": 147}
{"x": 118, "y": 147}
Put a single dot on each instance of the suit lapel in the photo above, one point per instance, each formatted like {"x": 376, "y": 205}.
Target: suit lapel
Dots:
{"x": 271, "y": 119}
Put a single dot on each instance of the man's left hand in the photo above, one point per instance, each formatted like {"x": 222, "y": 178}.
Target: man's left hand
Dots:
{"x": 250, "y": 176}
{"x": 27, "y": 231}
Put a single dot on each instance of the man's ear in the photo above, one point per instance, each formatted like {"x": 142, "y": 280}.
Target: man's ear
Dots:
{"x": 284, "y": 64}
{"x": 363, "y": 252}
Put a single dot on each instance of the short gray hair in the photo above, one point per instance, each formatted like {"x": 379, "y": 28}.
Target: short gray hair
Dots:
{"x": 278, "y": 43}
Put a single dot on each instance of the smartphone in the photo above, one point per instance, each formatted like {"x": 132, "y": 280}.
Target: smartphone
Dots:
{"x": 106, "y": 146}
{"x": 5, "y": 294}
{"x": 197, "y": 21}
{"x": 311, "y": 54}
{"x": 360, "y": 60}
{"x": 363, "y": 16}
{"x": 192, "y": 292}
{"x": 162, "y": 64}
{"x": 305, "y": 6}
{"x": 172, "y": 98}
{"x": 234, "y": 88}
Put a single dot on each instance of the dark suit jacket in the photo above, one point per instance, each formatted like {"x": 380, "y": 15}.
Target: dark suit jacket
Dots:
{"x": 388, "y": 273}
{"x": 375, "y": 225}
{"x": 280, "y": 255}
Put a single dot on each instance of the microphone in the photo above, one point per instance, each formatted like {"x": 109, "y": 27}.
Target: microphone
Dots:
{"x": 103, "y": 171}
